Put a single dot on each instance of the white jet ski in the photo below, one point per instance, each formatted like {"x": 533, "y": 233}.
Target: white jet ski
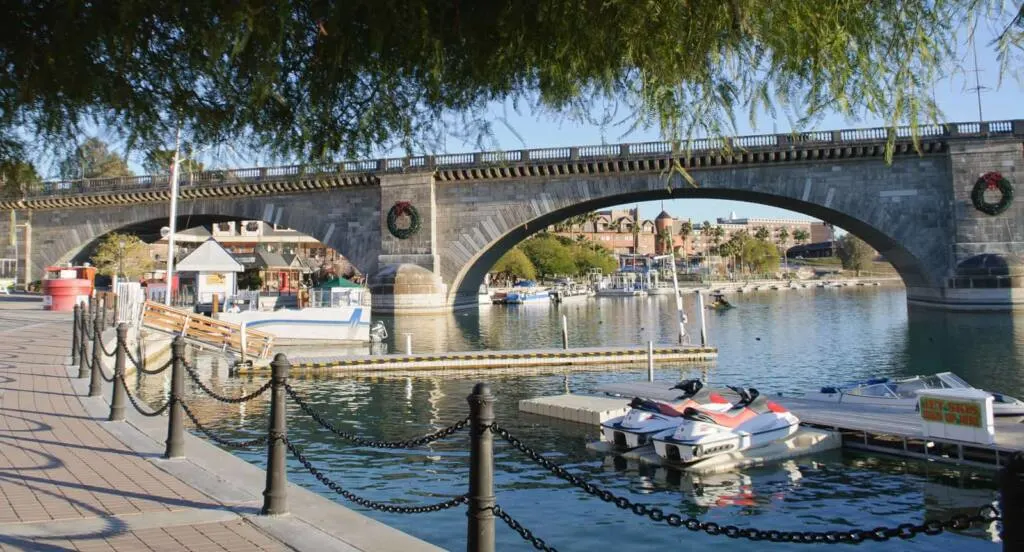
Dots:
{"x": 752, "y": 422}
{"x": 648, "y": 417}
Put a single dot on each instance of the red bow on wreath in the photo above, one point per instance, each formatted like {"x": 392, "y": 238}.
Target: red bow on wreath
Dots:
{"x": 992, "y": 180}
{"x": 402, "y": 208}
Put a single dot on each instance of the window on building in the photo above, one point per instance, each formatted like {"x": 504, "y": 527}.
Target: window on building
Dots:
{"x": 252, "y": 226}
{"x": 224, "y": 226}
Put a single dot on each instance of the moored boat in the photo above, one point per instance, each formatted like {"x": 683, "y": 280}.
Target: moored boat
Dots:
{"x": 647, "y": 417}
{"x": 751, "y": 423}
{"x": 902, "y": 393}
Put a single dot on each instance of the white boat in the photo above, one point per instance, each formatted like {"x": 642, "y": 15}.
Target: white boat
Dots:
{"x": 753, "y": 422}
{"x": 622, "y": 284}
{"x": 310, "y": 325}
{"x": 901, "y": 393}
{"x": 335, "y": 315}
{"x": 570, "y": 292}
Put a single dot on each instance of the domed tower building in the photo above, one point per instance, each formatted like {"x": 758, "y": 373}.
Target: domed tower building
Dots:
{"x": 662, "y": 225}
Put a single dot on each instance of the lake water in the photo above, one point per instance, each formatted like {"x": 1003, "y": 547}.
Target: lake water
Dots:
{"x": 782, "y": 341}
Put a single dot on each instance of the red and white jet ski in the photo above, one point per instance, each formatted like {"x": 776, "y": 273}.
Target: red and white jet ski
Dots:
{"x": 648, "y": 417}
{"x": 752, "y": 422}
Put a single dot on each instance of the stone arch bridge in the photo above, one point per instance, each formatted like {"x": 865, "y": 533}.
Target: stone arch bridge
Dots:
{"x": 473, "y": 207}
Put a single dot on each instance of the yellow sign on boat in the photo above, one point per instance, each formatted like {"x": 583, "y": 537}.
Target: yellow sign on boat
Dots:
{"x": 951, "y": 412}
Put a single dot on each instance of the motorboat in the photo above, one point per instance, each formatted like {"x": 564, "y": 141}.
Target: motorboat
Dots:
{"x": 521, "y": 297}
{"x": 718, "y": 302}
{"x": 752, "y": 422}
{"x": 570, "y": 292}
{"x": 334, "y": 315}
{"x": 648, "y": 417}
{"x": 902, "y": 393}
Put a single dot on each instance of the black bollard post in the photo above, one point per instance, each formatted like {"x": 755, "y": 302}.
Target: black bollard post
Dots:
{"x": 275, "y": 500}
{"x": 95, "y": 379}
{"x": 175, "y": 422}
{"x": 83, "y": 357}
{"x": 481, "y": 470}
{"x": 117, "y": 396}
{"x": 103, "y": 313}
{"x": 75, "y": 344}
{"x": 1011, "y": 503}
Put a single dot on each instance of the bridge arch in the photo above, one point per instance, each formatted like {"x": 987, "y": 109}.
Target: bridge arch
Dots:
{"x": 70, "y": 236}
{"x": 909, "y": 228}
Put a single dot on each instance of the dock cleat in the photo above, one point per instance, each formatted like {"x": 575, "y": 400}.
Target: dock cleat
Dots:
{"x": 647, "y": 418}
{"x": 752, "y": 422}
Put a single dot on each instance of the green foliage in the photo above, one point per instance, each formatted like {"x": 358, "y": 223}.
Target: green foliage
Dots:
{"x": 855, "y": 253}
{"x": 685, "y": 229}
{"x": 133, "y": 259}
{"x": 549, "y": 256}
{"x": 760, "y": 256}
{"x": 665, "y": 239}
{"x": 800, "y": 235}
{"x": 251, "y": 279}
{"x": 782, "y": 234}
{"x": 594, "y": 256}
{"x": 158, "y": 161}
{"x": 93, "y": 159}
{"x": 762, "y": 233}
{"x": 18, "y": 178}
{"x": 315, "y": 79}
{"x": 515, "y": 264}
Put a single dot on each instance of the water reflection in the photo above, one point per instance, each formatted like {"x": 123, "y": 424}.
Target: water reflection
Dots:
{"x": 824, "y": 492}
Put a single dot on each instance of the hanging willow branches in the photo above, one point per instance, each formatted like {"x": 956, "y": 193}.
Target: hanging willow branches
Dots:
{"x": 320, "y": 78}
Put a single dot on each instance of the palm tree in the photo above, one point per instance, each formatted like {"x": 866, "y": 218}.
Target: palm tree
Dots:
{"x": 782, "y": 233}
{"x": 762, "y": 233}
{"x": 800, "y": 235}
{"x": 685, "y": 229}
{"x": 665, "y": 239}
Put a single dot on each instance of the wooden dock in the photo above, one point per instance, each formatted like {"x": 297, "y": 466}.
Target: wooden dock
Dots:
{"x": 583, "y": 356}
{"x": 874, "y": 429}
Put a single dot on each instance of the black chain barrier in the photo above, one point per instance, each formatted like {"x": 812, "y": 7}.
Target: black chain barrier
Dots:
{"x": 135, "y": 403}
{"x": 103, "y": 375}
{"x": 87, "y": 358}
{"x": 959, "y": 522}
{"x": 408, "y": 443}
{"x": 512, "y": 522}
{"x": 380, "y": 506}
{"x": 105, "y": 351}
{"x": 257, "y": 442}
{"x": 194, "y": 376}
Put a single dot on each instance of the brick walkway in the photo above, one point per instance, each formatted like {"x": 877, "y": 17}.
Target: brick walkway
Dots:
{"x": 66, "y": 483}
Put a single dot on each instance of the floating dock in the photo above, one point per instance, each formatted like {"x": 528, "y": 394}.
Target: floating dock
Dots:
{"x": 583, "y": 356}
{"x": 874, "y": 429}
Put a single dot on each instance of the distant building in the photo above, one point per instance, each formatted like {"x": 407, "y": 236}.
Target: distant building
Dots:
{"x": 241, "y": 238}
{"x": 613, "y": 229}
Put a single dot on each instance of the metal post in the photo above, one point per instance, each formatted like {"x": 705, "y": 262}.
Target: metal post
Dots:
{"x": 700, "y": 316}
{"x": 172, "y": 219}
{"x": 481, "y": 470}
{"x": 103, "y": 313}
{"x": 83, "y": 343}
{"x": 650, "y": 361}
{"x": 408, "y": 344}
{"x": 275, "y": 500}
{"x": 74, "y": 334}
{"x": 175, "y": 423}
{"x": 565, "y": 333}
{"x": 97, "y": 357}
{"x": 117, "y": 397}
{"x": 1011, "y": 503}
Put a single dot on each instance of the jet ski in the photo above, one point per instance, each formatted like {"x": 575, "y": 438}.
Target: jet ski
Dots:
{"x": 647, "y": 417}
{"x": 752, "y": 422}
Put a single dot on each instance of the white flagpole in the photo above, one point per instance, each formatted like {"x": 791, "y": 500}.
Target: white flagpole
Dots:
{"x": 173, "y": 217}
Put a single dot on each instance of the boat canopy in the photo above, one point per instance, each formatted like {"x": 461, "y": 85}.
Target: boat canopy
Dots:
{"x": 338, "y": 282}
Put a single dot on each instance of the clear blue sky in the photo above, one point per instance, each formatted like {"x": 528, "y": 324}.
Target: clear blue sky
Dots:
{"x": 521, "y": 130}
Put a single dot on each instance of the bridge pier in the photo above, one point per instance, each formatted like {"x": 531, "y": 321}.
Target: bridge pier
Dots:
{"x": 408, "y": 278}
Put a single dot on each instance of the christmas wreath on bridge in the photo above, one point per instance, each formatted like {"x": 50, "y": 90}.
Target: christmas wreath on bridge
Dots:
{"x": 992, "y": 181}
{"x": 403, "y": 208}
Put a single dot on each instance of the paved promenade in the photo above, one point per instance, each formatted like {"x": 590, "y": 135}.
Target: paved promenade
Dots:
{"x": 69, "y": 480}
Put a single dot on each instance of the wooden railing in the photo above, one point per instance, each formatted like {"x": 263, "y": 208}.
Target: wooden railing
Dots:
{"x": 206, "y": 330}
